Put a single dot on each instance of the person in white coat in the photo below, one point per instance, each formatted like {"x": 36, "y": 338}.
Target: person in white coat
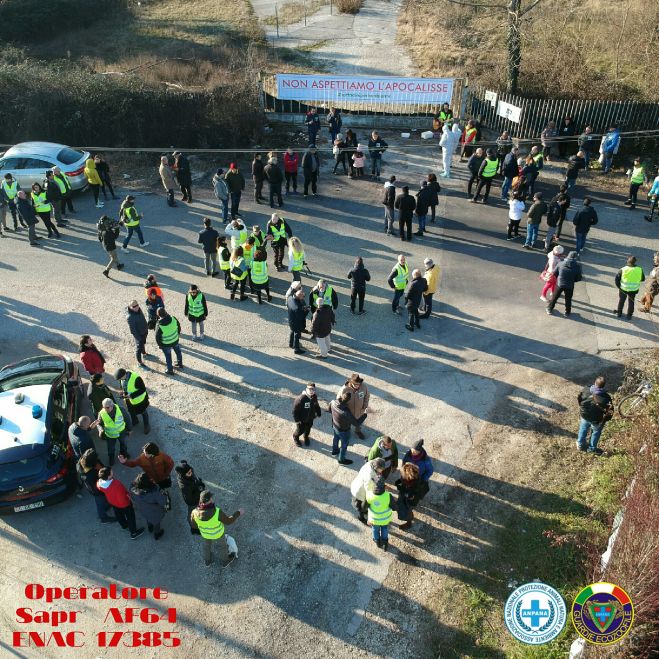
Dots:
{"x": 365, "y": 480}
{"x": 446, "y": 142}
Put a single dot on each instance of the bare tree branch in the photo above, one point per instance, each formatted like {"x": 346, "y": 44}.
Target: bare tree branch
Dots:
{"x": 528, "y": 9}
{"x": 478, "y": 4}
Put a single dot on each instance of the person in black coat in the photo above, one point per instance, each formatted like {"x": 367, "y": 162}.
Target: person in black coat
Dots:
{"x": 350, "y": 143}
{"x": 584, "y": 219}
{"x": 305, "y": 409}
{"x": 405, "y": 205}
{"x": 139, "y": 329}
{"x": 54, "y": 196}
{"x": 108, "y": 232}
{"x": 297, "y": 319}
{"x": 474, "y": 165}
{"x": 311, "y": 169}
{"x": 87, "y": 469}
{"x": 389, "y": 199}
{"x": 423, "y": 198}
{"x": 358, "y": 276}
{"x": 183, "y": 176}
{"x": 258, "y": 177}
{"x": 275, "y": 177}
{"x": 413, "y": 297}
{"x": 566, "y": 131}
{"x": 123, "y": 376}
{"x": 191, "y": 487}
{"x": 28, "y": 217}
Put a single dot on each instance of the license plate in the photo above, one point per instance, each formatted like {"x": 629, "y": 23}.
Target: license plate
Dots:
{"x": 29, "y": 506}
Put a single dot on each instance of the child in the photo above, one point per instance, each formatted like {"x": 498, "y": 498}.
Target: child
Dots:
{"x": 225, "y": 256}
{"x": 549, "y": 273}
{"x": 515, "y": 213}
{"x": 379, "y": 513}
{"x": 358, "y": 161}
{"x": 196, "y": 310}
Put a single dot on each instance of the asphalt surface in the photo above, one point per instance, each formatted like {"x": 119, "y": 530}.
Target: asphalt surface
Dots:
{"x": 308, "y": 575}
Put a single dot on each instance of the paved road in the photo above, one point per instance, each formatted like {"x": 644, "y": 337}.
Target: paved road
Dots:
{"x": 308, "y": 573}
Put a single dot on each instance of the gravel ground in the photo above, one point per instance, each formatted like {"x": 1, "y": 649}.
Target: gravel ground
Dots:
{"x": 488, "y": 364}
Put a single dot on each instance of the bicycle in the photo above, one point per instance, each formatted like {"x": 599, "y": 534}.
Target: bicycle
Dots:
{"x": 636, "y": 403}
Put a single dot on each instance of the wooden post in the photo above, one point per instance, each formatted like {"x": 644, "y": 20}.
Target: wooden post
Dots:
{"x": 305, "y": 13}
{"x": 277, "y": 20}
{"x": 331, "y": 3}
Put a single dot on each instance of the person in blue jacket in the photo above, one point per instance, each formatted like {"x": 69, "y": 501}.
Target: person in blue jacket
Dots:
{"x": 417, "y": 456}
{"x": 609, "y": 147}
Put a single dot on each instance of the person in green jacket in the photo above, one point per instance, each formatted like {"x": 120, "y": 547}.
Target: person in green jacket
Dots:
{"x": 384, "y": 447}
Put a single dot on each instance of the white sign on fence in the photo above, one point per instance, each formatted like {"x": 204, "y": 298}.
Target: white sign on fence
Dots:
{"x": 511, "y": 112}
{"x": 492, "y": 98}
{"x": 299, "y": 87}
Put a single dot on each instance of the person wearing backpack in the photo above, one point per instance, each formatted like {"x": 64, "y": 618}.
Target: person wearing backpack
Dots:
{"x": 564, "y": 200}
{"x": 108, "y": 232}
{"x": 567, "y": 275}
{"x": 553, "y": 216}
{"x": 595, "y": 409}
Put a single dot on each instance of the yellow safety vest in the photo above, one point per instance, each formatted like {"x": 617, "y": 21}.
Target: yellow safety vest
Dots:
{"x": 131, "y": 389}
{"x": 490, "y": 168}
{"x": 638, "y": 174}
{"x": 443, "y": 116}
{"x": 40, "y": 203}
{"x": 248, "y": 255}
{"x": 379, "y": 508}
{"x": 196, "y": 305}
{"x": 62, "y": 183}
{"x": 10, "y": 190}
{"x": 112, "y": 428}
{"x": 470, "y": 131}
{"x": 298, "y": 261}
{"x": 538, "y": 157}
{"x": 259, "y": 272}
{"x": 132, "y": 217}
{"x": 327, "y": 295}
{"x": 224, "y": 263}
{"x": 402, "y": 275}
{"x": 630, "y": 280}
{"x": 238, "y": 264}
{"x": 277, "y": 232}
{"x": 169, "y": 332}
{"x": 259, "y": 239}
{"x": 211, "y": 529}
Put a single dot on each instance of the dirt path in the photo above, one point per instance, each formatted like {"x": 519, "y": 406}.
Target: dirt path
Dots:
{"x": 363, "y": 44}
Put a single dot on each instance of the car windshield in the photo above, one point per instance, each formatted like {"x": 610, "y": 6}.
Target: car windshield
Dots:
{"x": 25, "y": 380}
{"x": 68, "y": 156}
{"x": 21, "y": 470}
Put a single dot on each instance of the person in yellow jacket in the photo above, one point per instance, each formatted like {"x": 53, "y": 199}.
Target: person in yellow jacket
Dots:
{"x": 431, "y": 276}
{"x": 379, "y": 513}
{"x": 628, "y": 280}
{"x": 93, "y": 180}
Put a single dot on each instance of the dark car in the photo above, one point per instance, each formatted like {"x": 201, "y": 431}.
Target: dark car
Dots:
{"x": 39, "y": 399}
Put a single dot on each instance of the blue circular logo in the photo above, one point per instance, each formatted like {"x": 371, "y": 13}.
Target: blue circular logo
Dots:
{"x": 535, "y": 613}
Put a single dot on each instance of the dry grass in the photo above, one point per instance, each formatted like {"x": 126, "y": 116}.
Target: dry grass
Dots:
{"x": 349, "y": 6}
{"x": 577, "y": 48}
{"x": 290, "y": 13}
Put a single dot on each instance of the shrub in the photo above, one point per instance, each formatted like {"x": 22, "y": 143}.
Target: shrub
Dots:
{"x": 349, "y": 6}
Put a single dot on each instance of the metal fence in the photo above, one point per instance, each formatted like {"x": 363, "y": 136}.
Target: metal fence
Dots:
{"x": 374, "y": 108}
{"x": 536, "y": 112}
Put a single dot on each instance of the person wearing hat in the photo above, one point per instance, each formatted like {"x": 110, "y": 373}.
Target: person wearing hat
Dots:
{"x": 113, "y": 426}
{"x": 431, "y": 275}
{"x": 548, "y": 275}
{"x": 413, "y": 298}
{"x": 191, "y": 487}
{"x": 108, "y": 232}
{"x": 139, "y": 329}
{"x": 221, "y": 192}
{"x": 384, "y": 447}
{"x": 236, "y": 184}
{"x": 417, "y": 456}
{"x": 363, "y": 482}
{"x": 411, "y": 489}
{"x": 168, "y": 331}
{"x": 167, "y": 178}
{"x": 130, "y": 218}
{"x": 379, "y": 513}
{"x": 637, "y": 177}
{"x": 311, "y": 169}
{"x": 210, "y": 521}
{"x": 196, "y": 310}
{"x": 359, "y": 398}
{"x": 135, "y": 396}
{"x": 183, "y": 176}
{"x": 486, "y": 173}
{"x": 342, "y": 420}
{"x": 279, "y": 233}
{"x": 208, "y": 238}
{"x": 305, "y": 409}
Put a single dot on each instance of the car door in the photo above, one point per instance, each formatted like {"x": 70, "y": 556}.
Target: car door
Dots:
{"x": 33, "y": 171}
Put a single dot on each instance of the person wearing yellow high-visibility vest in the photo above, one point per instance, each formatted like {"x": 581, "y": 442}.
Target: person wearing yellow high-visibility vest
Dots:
{"x": 323, "y": 290}
{"x": 239, "y": 273}
{"x": 9, "y": 190}
{"x": 486, "y": 174}
{"x": 260, "y": 238}
{"x": 379, "y": 513}
{"x": 279, "y": 232}
{"x": 398, "y": 279}
{"x": 135, "y": 395}
{"x": 237, "y": 232}
{"x": 130, "y": 218}
{"x": 196, "y": 310}
{"x": 65, "y": 187}
{"x": 259, "y": 274}
{"x": 210, "y": 521}
{"x": 113, "y": 426}
{"x": 43, "y": 208}
{"x": 224, "y": 258}
{"x": 248, "y": 254}
{"x": 637, "y": 177}
{"x": 628, "y": 281}
{"x": 295, "y": 258}
{"x": 168, "y": 332}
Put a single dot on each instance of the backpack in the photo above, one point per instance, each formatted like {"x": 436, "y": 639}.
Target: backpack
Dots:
{"x": 554, "y": 212}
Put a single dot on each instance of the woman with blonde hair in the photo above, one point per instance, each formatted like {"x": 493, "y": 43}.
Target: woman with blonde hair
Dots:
{"x": 239, "y": 272}
{"x": 295, "y": 258}
{"x": 411, "y": 489}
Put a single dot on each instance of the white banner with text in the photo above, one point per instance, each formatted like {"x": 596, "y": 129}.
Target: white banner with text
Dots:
{"x": 299, "y": 87}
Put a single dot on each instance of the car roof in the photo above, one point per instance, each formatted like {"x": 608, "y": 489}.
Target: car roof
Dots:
{"x": 17, "y": 426}
{"x": 49, "y": 149}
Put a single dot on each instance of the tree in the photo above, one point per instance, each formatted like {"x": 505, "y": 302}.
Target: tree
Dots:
{"x": 515, "y": 15}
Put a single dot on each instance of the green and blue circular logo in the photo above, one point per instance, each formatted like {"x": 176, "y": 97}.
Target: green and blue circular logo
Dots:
{"x": 602, "y": 613}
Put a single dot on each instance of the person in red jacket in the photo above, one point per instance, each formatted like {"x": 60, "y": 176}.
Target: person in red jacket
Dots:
{"x": 291, "y": 162}
{"x": 90, "y": 356}
{"x": 118, "y": 497}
